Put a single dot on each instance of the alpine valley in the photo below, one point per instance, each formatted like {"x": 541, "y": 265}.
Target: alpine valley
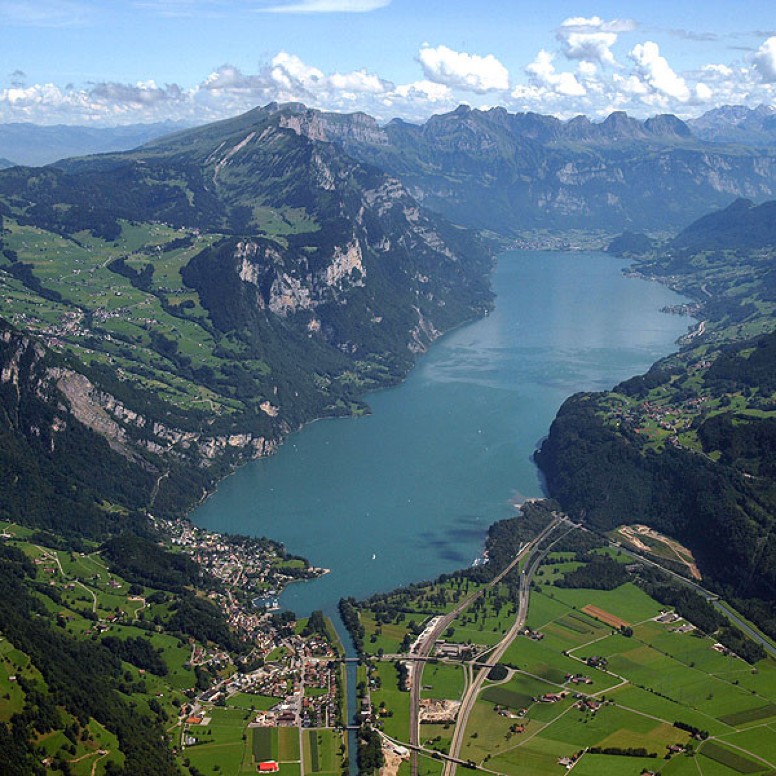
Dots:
{"x": 171, "y": 312}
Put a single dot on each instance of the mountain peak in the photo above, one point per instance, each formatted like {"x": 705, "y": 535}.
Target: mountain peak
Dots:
{"x": 737, "y": 124}
{"x": 667, "y": 124}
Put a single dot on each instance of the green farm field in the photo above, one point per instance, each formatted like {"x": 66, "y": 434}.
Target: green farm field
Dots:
{"x": 652, "y": 679}
{"x": 322, "y": 751}
{"x": 396, "y": 716}
{"x": 222, "y": 742}
{"x": 442, "y": 681}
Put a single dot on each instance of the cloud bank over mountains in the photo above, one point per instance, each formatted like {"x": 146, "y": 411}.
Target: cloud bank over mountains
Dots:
{"x": 588, "y": 69}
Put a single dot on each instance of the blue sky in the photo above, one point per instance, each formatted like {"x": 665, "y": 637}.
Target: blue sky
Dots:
{"x": 127, "y": 61}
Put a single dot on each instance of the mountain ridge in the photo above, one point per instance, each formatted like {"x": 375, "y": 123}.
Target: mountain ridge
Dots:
{"x": 287, "y": 279}
{"x": 41, "y": 144}
{"x": 511, "y": 173}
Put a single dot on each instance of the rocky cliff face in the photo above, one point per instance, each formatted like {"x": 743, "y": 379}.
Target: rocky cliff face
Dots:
{"x": 71, "y": 398}
{"x": 309, "y": 277}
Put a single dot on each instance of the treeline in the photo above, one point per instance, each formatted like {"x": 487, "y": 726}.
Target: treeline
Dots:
{"x": 599, "y": 572}
{"x": 630, "y": 751}
{"x": 747, "y": 365}
{"x": 138, "y": 651}
{"x": 701, "y": 613}
{"x": 143, "y": 561}
{"x": 202, "y": 620}
{"x": 600, "y": 474}
{"x": 370, "y": 751}
{"x": 316, "y": 625}
{"x": 349, "y": 613}
{"x": 692, "y": 730}
{"x": 506, "y": 537}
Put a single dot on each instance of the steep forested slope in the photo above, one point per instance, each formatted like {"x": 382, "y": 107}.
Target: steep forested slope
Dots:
{"x": 688, "y": 448}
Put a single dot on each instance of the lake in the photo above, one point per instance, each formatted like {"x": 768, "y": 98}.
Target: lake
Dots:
{"x": 408, "y": 492}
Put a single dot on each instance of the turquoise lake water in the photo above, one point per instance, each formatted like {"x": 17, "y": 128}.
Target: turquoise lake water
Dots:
{"x": 408, "y": 492}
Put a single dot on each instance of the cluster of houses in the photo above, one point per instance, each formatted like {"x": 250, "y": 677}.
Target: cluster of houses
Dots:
{"x": 673, "y": 419}
{"x": 578, "y": 679}
{"x": 245, "y": 567}
{"x": 532, "y": 634}
{"x": 586, "y": 703}
{"x": 670, "y": 617}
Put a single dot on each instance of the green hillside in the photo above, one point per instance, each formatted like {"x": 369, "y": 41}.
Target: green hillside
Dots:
{"x": 688, "y": 447}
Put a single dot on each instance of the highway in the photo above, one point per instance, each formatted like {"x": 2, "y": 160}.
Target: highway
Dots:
{"x": 537, "y": 554}
{"x": 712, "y": 598}
{"x": 424, "y": 648}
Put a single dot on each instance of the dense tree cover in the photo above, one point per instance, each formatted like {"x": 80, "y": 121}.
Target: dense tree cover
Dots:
{"x": 745, "y": 442}
{"x": 506, "y": 537}
{"x": 138, "y": 651}
{"x": 144, "y": 561}
{"x": 81, "y": 676}
{"x": 139, "y": 279}
{"x": 600, "y": 572}
{"x": 316, "y": 624}
{"x": 603, "y": 476}
{"x": 745, "y": 365}
{"x": 201, "y": 619}
{"x": 630, "y": 244}
{"x": 742, "y": 226}
{"x": 498, "y": 673}
{"x": 370, "y": 750}
{"x": 57, "y": 476}
{"x": 349, "y": 613}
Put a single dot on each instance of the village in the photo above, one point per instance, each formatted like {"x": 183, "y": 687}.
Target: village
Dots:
{"x": 301, "y": 670}
{"x": 656, "y": 420}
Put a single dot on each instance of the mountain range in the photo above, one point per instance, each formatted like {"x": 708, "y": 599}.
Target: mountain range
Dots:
{"x": 35, "y": 144}
{"x": 276, "y": 265}
{"x": 508, "y": 173}
{"x": 169, "y": 312}
{"x": 512, "y": 173}
{"x": 207, "y": 294}
{"x": 737, "y": 124}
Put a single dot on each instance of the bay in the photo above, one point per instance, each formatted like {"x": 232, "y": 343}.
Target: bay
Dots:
{"x": 408, "y": 492}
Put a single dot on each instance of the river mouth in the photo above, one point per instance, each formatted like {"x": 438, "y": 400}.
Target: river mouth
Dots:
{"x": 408, "y": 492}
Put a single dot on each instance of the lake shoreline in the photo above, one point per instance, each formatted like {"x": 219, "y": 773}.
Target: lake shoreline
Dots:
{"x": 533, "y": 278}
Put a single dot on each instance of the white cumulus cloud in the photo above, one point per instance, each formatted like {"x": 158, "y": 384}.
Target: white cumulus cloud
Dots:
{"x": 543, "y": 74}
{"x": 765, "y": 60}
{"x": 591, "y": 38}
{"x": 460, "y": 70}
{"x": 657, "y": 73}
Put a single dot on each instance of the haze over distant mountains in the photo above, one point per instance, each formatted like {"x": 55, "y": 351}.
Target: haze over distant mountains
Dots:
{"x": 507, "y": 173}
{"x": 35, "y": 145}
